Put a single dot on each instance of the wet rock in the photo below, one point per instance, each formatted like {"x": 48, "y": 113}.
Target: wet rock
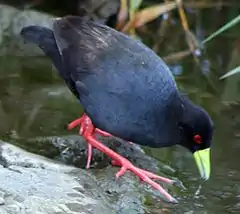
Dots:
{"x": 72, "y": 149}
{"x": 33, "y": 184}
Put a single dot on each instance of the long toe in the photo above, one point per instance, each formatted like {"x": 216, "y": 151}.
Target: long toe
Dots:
{"x": 145, "y": 176}
{"x": 127, "y": 165}
{"x": 149, "y": 174}
{"x": 157, "y": 177}
{"x": 102, "y": 133}
{"x": 77, "y": 122}
{"x": 89, "y": 157}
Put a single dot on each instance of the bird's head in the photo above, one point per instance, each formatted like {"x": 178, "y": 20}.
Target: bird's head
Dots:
{"x": 196, "y": 135}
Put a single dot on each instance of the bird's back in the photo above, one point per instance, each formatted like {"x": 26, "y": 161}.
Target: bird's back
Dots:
{"x": 122, "y": 84}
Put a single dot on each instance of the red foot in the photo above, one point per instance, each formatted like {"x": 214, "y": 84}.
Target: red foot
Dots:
{"x": 88, "y": 131}
{"x": 84, "y": 122}
{"x": 149, "y": 174}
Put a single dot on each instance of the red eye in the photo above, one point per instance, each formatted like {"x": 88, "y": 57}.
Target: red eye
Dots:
{"x": 197, "y": 139}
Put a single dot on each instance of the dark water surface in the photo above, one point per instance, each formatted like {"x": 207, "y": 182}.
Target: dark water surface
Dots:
{"x": 35, "y": 102}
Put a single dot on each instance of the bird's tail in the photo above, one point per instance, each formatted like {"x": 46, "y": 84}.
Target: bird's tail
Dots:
{"x": 44, "y": 38}
{"x": 39, "y": 35}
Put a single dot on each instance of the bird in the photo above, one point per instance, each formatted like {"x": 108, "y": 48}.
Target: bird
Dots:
{"x": 126, "y": 90}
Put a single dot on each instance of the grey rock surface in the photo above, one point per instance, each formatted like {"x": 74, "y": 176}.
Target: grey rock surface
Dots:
{"x": 12, "y": 21}
{"x": 31, "y": 184}
{"x": 99, "y": 10}
{"x": 72, "y": 149}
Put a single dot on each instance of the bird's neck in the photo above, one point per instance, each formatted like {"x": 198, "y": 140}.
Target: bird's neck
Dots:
{"x": 180, "y": 111}
{"x": 168, "y": 130}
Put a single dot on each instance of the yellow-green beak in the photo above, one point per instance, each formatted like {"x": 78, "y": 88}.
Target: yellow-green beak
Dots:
{"x": 202, "y": 158}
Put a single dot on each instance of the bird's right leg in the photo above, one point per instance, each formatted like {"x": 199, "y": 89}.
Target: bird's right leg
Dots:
{"x": 87, "y": 120}
{"x": 88, "y": 131}
{"x": 84, "y": 119}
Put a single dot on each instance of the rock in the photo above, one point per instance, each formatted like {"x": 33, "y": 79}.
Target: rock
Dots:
{"x": 72, "y": 149}
{"x": 31, "y": 184}
{"x": 12, "y": 21}
{"x": 99, "y": 10}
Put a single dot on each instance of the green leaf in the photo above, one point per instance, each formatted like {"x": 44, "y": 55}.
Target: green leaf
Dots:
{"x": 134, "y": 5}
{"x": 222, "y": 29}
{"x": 230, "y": 73}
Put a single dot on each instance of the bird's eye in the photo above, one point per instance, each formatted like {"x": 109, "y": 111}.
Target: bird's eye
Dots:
{"x": 197, "y": 139}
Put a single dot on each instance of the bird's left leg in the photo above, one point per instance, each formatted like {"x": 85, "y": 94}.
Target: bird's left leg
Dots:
{"x": 78, "y": 122}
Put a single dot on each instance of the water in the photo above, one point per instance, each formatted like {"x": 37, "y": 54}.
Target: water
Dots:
{"x": 35, "y": 102}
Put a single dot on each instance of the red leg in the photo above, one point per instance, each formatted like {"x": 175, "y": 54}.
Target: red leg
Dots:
{"x": 83, "y": 122}
{"x": 79, "y": 122}
{"x": 88, "y": 131}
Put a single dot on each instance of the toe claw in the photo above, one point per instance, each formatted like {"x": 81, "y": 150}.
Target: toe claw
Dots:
{"x": 173, "y": 200}
{"x": 121, "y": 172}
{"x": 160, "y": 189}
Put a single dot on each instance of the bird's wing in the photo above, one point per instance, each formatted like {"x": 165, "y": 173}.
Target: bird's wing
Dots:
{"x": 89, "y": 49}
